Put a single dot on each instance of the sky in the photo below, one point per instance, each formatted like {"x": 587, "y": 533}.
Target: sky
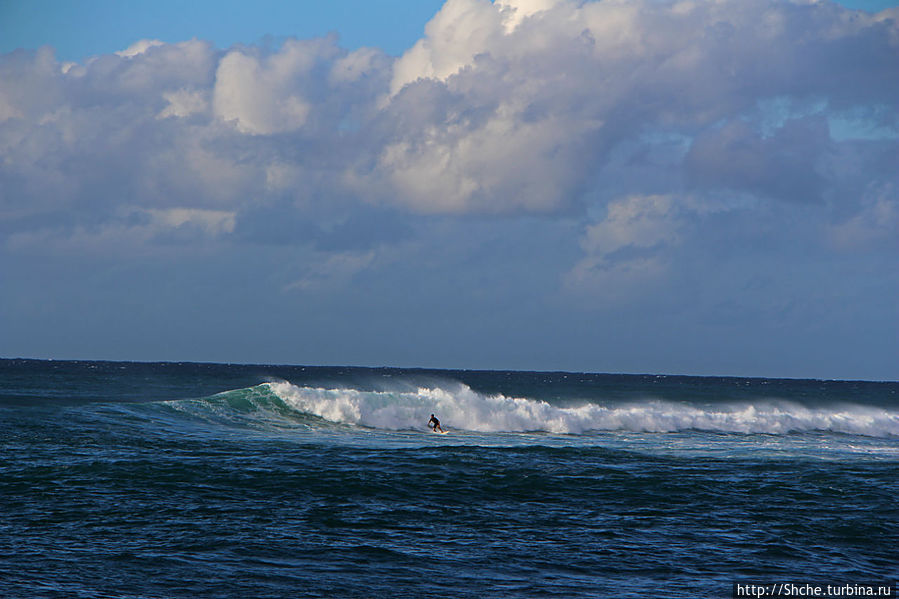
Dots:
{"x": 653, "y": 186}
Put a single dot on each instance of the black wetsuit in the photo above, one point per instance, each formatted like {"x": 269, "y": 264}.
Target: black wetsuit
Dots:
{"x": 435, "y": 422}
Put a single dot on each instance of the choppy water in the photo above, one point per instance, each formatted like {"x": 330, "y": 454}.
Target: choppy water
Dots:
{"x": 196, "y": 480}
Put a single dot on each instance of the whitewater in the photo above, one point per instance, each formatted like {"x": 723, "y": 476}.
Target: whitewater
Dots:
{"x": 460, "y": 407}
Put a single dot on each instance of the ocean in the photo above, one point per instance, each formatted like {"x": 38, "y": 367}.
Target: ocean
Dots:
{"x": 181, "y": 480}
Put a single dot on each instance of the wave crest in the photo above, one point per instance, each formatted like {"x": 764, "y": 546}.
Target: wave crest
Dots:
{"x": 460, "y": 407}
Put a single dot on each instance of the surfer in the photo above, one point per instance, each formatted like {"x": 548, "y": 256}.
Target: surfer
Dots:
{"x": 434, "y": 424}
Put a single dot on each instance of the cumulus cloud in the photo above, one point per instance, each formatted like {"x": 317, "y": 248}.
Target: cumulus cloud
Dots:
{"x": 526, "y": 100}
{"x": 184, "y": 102}
{"x": 264, "y": 94}
{"x": 501, "y": 108}
{"x": 458, "y": 32}
{"x": 139, "y": 47}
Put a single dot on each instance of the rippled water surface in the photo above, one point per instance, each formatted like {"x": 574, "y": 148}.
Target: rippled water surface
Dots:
{"x": 163, "y": 480}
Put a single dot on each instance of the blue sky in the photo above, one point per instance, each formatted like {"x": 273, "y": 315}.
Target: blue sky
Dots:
{"x": 703, "y": 188}
{"x": 81, "y": 29}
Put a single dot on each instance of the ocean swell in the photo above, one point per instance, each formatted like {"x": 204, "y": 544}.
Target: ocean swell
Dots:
{"x": 460, "y": 407}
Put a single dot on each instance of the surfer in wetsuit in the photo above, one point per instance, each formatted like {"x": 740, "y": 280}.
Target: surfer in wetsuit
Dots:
{"x": 434, "y": 424}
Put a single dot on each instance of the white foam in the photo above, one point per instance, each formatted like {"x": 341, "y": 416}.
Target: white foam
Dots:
{"x": 459, "y": 407}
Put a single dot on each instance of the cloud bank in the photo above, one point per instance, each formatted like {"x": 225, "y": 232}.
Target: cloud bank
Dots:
{"x": 655, "y": 134}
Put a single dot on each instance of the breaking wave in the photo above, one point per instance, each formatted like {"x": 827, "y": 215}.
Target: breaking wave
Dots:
{"x": 460, "y": 407}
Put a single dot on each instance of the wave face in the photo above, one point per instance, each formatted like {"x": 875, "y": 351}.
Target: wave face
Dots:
{"x": 460, "y": 407}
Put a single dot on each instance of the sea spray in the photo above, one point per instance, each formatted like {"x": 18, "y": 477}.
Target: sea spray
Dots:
{"x": 460, "y": 407}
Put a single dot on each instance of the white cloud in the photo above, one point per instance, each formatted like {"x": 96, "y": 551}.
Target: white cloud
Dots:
{"x": 139, "y": 47}
{"x": 257, "y": 95}
{"x": 634, "y": 222}
{"x": 268, "y": 93}
{"x": 184, "y": 102}
{"x": 457, "y": 33}
{"x": 505, "y": 163}
{"x": 630, "y": 247}
{"x": 527, "y": 99}
{"x": 518, "y": 106}
{"x": 30, "y": 85}
{"x": 516, "y": 11}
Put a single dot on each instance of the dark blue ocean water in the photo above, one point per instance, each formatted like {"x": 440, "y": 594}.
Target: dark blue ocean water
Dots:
{"x": 195, "y": 480}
